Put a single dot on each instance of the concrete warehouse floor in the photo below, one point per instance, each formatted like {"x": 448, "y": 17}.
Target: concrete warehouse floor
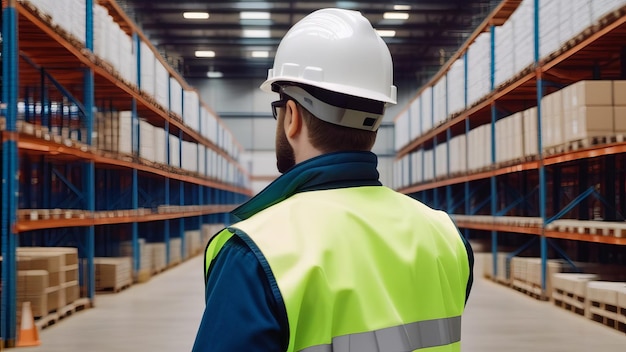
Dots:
{"x": 163, "y": 315}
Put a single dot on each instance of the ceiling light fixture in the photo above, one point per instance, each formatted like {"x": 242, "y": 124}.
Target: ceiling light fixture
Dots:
{"x": 396, "y": 16}
{"x": 214, "y": 74}
{"x": 205, "y": 53}
{"x": 386, "y": 33}
{"x": 254, "y": 15}
{"x": 196, "y": 15}
{"x": 256, "y": 33}
{"x": 260, "y": 54}
{"x": 402, "y": 7}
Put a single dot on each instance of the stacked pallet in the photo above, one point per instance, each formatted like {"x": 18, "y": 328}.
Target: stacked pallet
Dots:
{"x": 526, "y": 275}
{"x": 33, "y": 286}
{"x": 145, "y": 258}
{"x": 569, "y": 291}
{"x": 504, "y": 268}
{"x": 210, "y": 230}
{"x": 157, "y": 251}
{"x": 61, "y": 264}
{"x": 606, "y": 303}
{"x": 113, "y": 273}
{"x": 175, "y": 251}
{"x": 193, "y": 243}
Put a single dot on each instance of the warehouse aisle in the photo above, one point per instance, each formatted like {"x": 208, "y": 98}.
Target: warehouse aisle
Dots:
{"x": 162, "y": 316}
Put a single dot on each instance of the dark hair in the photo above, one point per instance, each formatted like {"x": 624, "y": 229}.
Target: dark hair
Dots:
{"x": 329, "y": 137}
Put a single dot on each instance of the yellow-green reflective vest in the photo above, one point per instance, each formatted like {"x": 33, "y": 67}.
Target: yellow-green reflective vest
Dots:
{"x": 362, "y": 269}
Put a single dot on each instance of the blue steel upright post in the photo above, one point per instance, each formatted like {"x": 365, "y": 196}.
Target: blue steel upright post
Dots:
{"x": 136, "y": 147}
{"x": 10, "y": 182}
{"x": 542, "y": 173}
{"x": 494, "y": 190}
{"x": 166, "y": 227}
{"x": 89, "y": 171}
{"x": 467, "y": 130}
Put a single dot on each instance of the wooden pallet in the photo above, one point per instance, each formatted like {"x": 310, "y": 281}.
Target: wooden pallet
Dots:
{"x": 115, "y": 289}
{"x": 68, "y": 310}
{"x": 569, "y": 301}
{"x": 608, "y": 315}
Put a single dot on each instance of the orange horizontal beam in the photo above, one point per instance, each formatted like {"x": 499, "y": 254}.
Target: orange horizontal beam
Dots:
{"x": 592, "y": 152}
{"x": 32, "y": 225}
{"x": 531, "y": 230}
{"x": 587, "y": 237}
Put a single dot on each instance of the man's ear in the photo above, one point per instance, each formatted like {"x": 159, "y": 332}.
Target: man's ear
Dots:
{"x": 293, "y": 119}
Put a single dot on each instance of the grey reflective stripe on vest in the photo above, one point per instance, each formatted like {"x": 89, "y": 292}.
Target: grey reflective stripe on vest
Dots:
{"x": 409, "y": 337}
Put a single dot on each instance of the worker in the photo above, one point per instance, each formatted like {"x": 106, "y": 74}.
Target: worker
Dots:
{"x": 326, "y": 258}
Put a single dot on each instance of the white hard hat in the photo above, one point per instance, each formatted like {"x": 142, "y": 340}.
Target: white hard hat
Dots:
{"x": 336, "y": 50}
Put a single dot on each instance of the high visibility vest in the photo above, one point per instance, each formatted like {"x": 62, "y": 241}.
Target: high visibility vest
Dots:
{"x": 361, "y": 269}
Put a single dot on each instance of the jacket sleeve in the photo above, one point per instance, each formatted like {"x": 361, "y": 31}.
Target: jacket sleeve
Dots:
{"x": 241, "y": 312}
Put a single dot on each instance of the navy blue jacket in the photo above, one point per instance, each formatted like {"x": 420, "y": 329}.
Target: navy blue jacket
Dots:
{"x": 242, "y": 311}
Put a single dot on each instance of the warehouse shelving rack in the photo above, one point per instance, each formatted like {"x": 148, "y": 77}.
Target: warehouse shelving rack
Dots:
{"x": 97, "y": 190}
{"x": 528, "y": 196}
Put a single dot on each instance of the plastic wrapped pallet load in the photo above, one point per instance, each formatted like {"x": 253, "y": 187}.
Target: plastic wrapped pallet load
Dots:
{"x": 146, "y": 140}
{"x": 479, "y": 74}
{"x": 523, "y": 29}
{"x": 174, "y": 151}
{"x": 441, "y": 160}
{"x": 417, "y": 166}
{"x": 175, "y": 251}
{"x": 402, "y": 130}
{"x": 157, "y": 251}
{"x": 160, "y": 145}
{"x": 193, "y": 243}
{"x": 147, "y": 69}
{"x": 581, "y": 16}
{"x": 176, "y": 97}
{"x": 127, "y": 54}
{"x": 456, "y": 87}
{"x": 600, "y": 8}
{"x": 603, "y": 299}
{"x": 161, "y": 84}
{"x": 78, "y": 20}
{"x": 530, "y": 132}
{"x": 405, "y": 170}
{"x": 429, "y": 167}
{"x": 415, "y": 114}
{"x": 549, "y": 27}
{"x": 569, "y": 290}
{"x": 113, "y": 273}
{"x": 191, "y": 109}
{"x": 124, "y": 135}
{"x": 504, "y": 53}
{"x": 440, "y": 101}
{"x": 552, "y": 120}
{"x": 100, "y": 15}
{"x": 427, "y": 109}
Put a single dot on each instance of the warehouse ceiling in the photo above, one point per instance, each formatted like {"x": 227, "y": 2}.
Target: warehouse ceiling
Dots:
{"x": 242, "y": 36}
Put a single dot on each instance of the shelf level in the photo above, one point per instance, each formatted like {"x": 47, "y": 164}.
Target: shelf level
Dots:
{"x": 53, "y": 150}
{"x": 64, "y": 57}
{"x": 90, "y": 220}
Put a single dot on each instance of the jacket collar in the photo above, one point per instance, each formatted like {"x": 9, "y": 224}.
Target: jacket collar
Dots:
{"x": 328, "y": 171}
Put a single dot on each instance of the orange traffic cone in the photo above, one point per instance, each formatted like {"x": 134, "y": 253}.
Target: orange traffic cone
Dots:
{"x": 28, "y": 334}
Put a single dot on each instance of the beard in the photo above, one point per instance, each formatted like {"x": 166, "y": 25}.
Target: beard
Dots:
{"x": 285, "y": 157}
